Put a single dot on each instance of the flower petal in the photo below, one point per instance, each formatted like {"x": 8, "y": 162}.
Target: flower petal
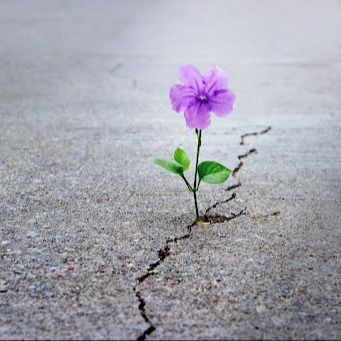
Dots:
{"x": 221, "y": 103}
{"x": 181, "y": 96}
{"x": 197, "y": 115}
{"x": 215, "y": 79}
{"x": 191, "y": 76}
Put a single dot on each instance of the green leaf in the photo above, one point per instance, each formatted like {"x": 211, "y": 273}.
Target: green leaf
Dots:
{"x": 170, "y": 166}
{"x": 182, "y": 158}
{"x": 213, "y": 172}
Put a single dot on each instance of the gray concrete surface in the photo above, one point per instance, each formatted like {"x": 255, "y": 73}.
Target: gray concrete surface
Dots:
{"x": 84, "y": 214}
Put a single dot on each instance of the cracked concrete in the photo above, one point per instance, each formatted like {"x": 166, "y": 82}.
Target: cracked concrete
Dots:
{"x": 98, "y": 243}
{"x": 206, "y": 218}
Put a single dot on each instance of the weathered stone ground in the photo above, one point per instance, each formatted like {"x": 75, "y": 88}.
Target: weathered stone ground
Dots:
{"x": 84, "y": 214}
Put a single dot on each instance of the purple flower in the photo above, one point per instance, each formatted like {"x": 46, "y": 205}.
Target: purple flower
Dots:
{"x": 201, "y": 94}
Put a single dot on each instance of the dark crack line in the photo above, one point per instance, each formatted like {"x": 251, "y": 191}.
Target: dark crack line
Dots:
{"x": 233, "y": 196}
{"x": 233, "y": 186}
{"x": 165, "y": 252}
{"x": 115, "y": 68}
{"x": 222, "y": 218}
{"x": 242, "y": 137}
{"x": 243, "y": 156}
{"x": 145, "y": 333}
{"x": 212, "y": 219}
{"x": 141, "y": 307}
{"x": 209, "y": 218}
{"x": 237, "y": 169}
{"x": 240, "y": 165}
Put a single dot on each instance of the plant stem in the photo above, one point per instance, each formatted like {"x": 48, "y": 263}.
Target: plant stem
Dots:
{"x": 198, "y": 132}
{"x": 186, "y": 182}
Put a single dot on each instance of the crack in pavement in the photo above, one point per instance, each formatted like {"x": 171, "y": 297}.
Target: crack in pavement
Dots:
{"x": 207, "y": 218}
{"x": 242, "y": 137}
{"x": 230, "y": 188}
{"x": 240, "y": 165}
{"x": 233, "y": 196}
{"x": 163, "y": 254}
{"x": 142, "y": 304}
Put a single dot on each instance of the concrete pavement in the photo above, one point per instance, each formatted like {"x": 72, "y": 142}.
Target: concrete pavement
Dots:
{"x": 97, "y": 243}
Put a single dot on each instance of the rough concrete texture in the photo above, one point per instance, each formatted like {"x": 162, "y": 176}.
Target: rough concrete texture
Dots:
{"x": 84, "y": 215}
